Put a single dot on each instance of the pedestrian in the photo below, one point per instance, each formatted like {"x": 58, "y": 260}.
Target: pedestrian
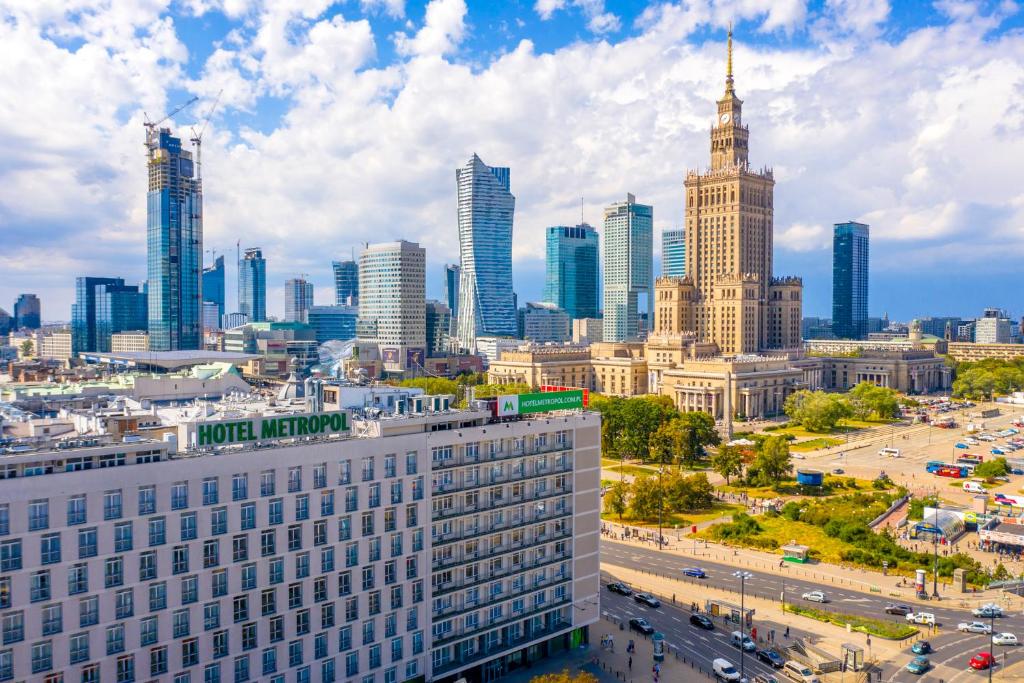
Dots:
{"x": 630, "y": 664}
{"x": 787, "y": 632}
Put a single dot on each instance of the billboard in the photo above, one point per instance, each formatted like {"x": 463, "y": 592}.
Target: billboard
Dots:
{"x": 389, "y": 355}
{"x": 227, "y": 432}
{"x": 414, "y": 358}
{"x": 541, "y": 402}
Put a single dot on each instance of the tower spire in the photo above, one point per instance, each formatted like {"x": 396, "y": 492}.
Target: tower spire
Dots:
{"x": 728, "y": 67}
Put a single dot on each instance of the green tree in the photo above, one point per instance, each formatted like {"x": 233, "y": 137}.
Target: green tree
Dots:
{"x": 997, "y": 467}
{"x": 684, "y": 439}
{"x": 869, "y": 400}
{"x": 772, "y": 463}
{"x": 491, "y": 390}
{"x": 434, "y": 385}
{"x": 642, "y": 416}
{"x": 25, "y": 350}
{"x": 645, "y": 498}
{"x": 817, "y": 411}
{"x": 612, "y": 422}
{"x": 688, "y": 493}
{"x": 727, "y": 461}
{"x": 616, "y": 498}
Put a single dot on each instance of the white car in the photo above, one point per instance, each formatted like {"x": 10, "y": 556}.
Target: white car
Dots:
{"x": 1005, "y": 639}
{"x": 815, "y": 596}
{"x": 974, "y": 627}
{"x": 921, "y": 618}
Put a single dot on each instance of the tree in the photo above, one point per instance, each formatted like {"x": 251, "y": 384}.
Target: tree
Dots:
{"x": 25, "y": 350}
{"x": 491, "y": 390}
{"x": 772, "y": 462}
{"x": 684, "y": 494}
{"x": 869, "y": 400}
{"x": 434, "y": 385}
{"x": 817, "y": 411}
{"x": 616, "y": 498}
{"x": 684, "y": 439}
{"x": 997, "y": 467}
{"x": 565, "y": 677}
{"x": 727, "y": 461}
{"x": 646, "y": 498}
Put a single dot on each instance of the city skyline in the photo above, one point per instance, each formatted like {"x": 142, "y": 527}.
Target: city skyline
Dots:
{"x": 800, "y": 67}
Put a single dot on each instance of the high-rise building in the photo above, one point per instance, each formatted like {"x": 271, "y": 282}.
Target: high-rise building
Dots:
{"x": 298, "y": 297}
{"x": 392, "y": 303}
{"x": 439, "y": 319}
{"x": 850, "y": 280}
{"x": 333, "y": 322}
{"x": 995, "y": 327}
{"x": 174, "y": 244}
{"x": 28, "y": 312}
{"x": 211, "y": 318}
{"x": 83, "y": 313}
{"x": 346, "y": 283}
{"x": 103, "y": 307}
{"x": 234, "y": 320}
{"x": 628, "y": 268}
{"x": 544, "y": 322}
{"x": 452, "y": 275}
{"x": 6, "y": 323}
{"x": 673, "y": 253}
{"x": 572, "y": 270}
{"x": 252, "y": 285}
{"x": 486, "y": 206}
{"x": 213, "y": 285}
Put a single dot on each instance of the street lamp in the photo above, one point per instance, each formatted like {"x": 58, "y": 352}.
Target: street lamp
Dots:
{"x": 743, "y": 576}
{"x": 991, "y": 642}
{"x": 661, "y": 501}
{"x": 935, "y": 543}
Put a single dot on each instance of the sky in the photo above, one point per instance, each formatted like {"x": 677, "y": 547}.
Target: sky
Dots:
{"x": 341, "y": 123}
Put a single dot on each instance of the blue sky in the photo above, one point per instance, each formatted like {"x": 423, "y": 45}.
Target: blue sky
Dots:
{"x": 343, "y": 122}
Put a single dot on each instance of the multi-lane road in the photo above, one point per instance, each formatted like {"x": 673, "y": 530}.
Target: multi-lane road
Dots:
{"x": 952, "y": 649}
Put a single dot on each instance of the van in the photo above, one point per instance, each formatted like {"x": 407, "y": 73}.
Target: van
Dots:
{"x": 891, "y": 452}
{"x": 799, "y": 672}
{"x": 738, "y": 638}
{"x": 724, "y": 670}
{"x": 973, "y": 487}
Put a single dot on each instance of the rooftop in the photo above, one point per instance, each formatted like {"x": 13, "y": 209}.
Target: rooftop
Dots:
{"x": 168, "y": 360}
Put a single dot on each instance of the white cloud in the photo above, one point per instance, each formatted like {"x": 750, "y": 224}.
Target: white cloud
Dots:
{"x": 598, "y": 20}
{"x": 444, "y": 27}
{"x": 803, "y": 237}
{"x": 393, "y": 8}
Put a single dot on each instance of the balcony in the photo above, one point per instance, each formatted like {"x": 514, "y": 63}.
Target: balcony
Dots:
{"x": 501, "y": 550}
{"x": 551, "y": 581}
{"x": 499, "y": 456}
{"x": 483, "y": 506}
{"x": 508, "y": 619}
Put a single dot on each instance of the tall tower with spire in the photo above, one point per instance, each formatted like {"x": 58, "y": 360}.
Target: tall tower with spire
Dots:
{"x": 736, "y": 301}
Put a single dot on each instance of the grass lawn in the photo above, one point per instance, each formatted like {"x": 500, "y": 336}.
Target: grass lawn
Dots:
{"x": 890, "y": 630}
{"x": 782, "y": 531}
{"x": 814, "y": 444}
{"x": 681, "y": 519}
{"x": 959, "y": 483}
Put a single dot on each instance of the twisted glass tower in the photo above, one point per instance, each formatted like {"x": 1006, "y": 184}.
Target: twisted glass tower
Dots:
{"x": 486, "y": 204}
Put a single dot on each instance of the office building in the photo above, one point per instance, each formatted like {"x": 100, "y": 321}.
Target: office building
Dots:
{"x": 673, "y": 253}
{"x": 280, "y": 347}
{"x": 452, "y": 275}
{"x": 485, "y": 209}
{"x": 211, "y": 318}
{"x": 628, "y": 267}
{"x": 213, "y": 285}
{"x": 103, "y": 307}
{"x": 572, "y": 277}
{"x": 333, "y": 322}
{"x": 850, "y": 280}
{"x": 83, "y": 312}
{"x": 438, "y": 324}
{"x": 995, "y": 327}
{"x": 298, "y": 297}
{"x": 130, "y": 341}
{"x": 174, "y": 240}
{"x": 252, "y": 285}
{"x": 6, "y": 322}
{"x": 346, "y": 283}
{"x": 544, "y": 322}
{"x": 233, "y": 320}
{"x": 812, "y": 327}
{"x": 587, "y": 331}
{"x": 28, "y": 312}
{"x": 392, "y": 304}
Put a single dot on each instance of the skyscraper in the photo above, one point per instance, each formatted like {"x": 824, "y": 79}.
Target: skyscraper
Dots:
{"x": 439, "y": 319}
{"x": 392, "y": 303}
{"x": 346, "y": 283}
{"x": 174, "y": 243}
{"x": 333, "y": 322}
{"x": 486, "y": 206}
{"x": 673, "y": 253}
{"x": 252, "y": 285}
{"x": 572, "y": 270}
{"x": 452, "y": 275}
{"x": 83, "y": 312}
{"x": 104, "y": 306}
{"x": 850, "y": 280}
{"x": 628, "y": 267}
{"x": 28, "y": 312}
{"x": 298, "y": 298}
{"x": 213, "y": 285}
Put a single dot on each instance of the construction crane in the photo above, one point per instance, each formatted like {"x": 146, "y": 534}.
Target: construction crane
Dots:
{"x": 197, "y": 138}
{"x": 151, "y": 125}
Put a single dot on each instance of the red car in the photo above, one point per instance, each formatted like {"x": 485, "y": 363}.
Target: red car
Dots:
{"x": 982, "y": 660}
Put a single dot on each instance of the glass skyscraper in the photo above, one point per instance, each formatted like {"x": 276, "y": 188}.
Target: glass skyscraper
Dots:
{"x": 298, "y": 298}
{"x": 346, "y": 283}
{"x": 486, "y": 206}
{"x": 83, "y": 312}
{"x": 452, "y": 275}
{"x": 252, "y": 285}
{"x": 673, "y": 253}
{"x": 27, "y": 312}
{"x": 174, "y": 245}
{"x": 572, "y": 270}
{"x": 850, "y": 280}
{"x": 628, "y": 268}
{"x": 104, "y": 306}
{"x": 213, "y": 285}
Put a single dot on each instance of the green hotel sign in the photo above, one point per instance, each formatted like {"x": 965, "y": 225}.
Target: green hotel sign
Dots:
{"x": 226, "y": 432}
{"x": 523, "y": 404}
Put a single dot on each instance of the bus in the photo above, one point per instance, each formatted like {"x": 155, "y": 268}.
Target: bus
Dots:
{"x": 971, "y": 457}
{"x": 933, "y": 465}
{"x": 952, "y": 471}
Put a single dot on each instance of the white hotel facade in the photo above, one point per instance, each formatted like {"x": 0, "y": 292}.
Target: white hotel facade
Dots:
{"x": 424, "y": 547}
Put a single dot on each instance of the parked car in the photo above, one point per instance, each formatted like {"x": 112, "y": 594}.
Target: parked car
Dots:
{"x": 702, "y": 621}
{"x": 901, "y": 610}
{"x": 695, "y": 572}
{"x": 799, "y": 672}
{"x": 918, "y": 665}
{"x": 921, "y": 618}
{"x": 837, "y": 470}
{"x": 974, "y": 627}
{"x": 987, "y": 611}
{"x": 642, "y": 625}
{"x": 647, "y": 599}
{"x": 981, "y": 661}
{"x": 771, "y": 658}
{"x": 960, "y": 445}
{"x": 620, "y": 588}
{"x": 724, "y": 670}
{"x": 1005, "y": 639}
{"x": 921, "y": 647}
{"x": 815, "y": 596}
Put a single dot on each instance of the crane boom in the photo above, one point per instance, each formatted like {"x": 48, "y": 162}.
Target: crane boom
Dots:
{"x": 151, "y": 125}
{"x": 197, "y": 138}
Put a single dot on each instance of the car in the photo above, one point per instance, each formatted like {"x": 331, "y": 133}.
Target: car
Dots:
{"x": 918, "y": 665}
{"x": 620, "y": 588}
{"x": 921, "y": 647}
{"x": 973, "y": 627}
{"x": 701, "y": 621}
{"x": 743, "y": 641}
{"x": 771, "y": 658}
{"x": 815, "y": 596}
{"x": 797, "y": 456}
{"x": 647, "y": 599}
{"x": 982, "y": 660}
{"x": 901, "y": 610}
{"x": 695, "y": 572}
{"x": 1017, "y": 471}
{"x": 997, "y": 451}
{"x": 1005, "y": 639}
{"x": 921, "y": 618}
{"x": 642, "y": 625}
{"x": 987, "y": 611}
{"x": 724, "y": 670}
{"x": 837, "y": 470}
{"x": 960, "y": 445}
